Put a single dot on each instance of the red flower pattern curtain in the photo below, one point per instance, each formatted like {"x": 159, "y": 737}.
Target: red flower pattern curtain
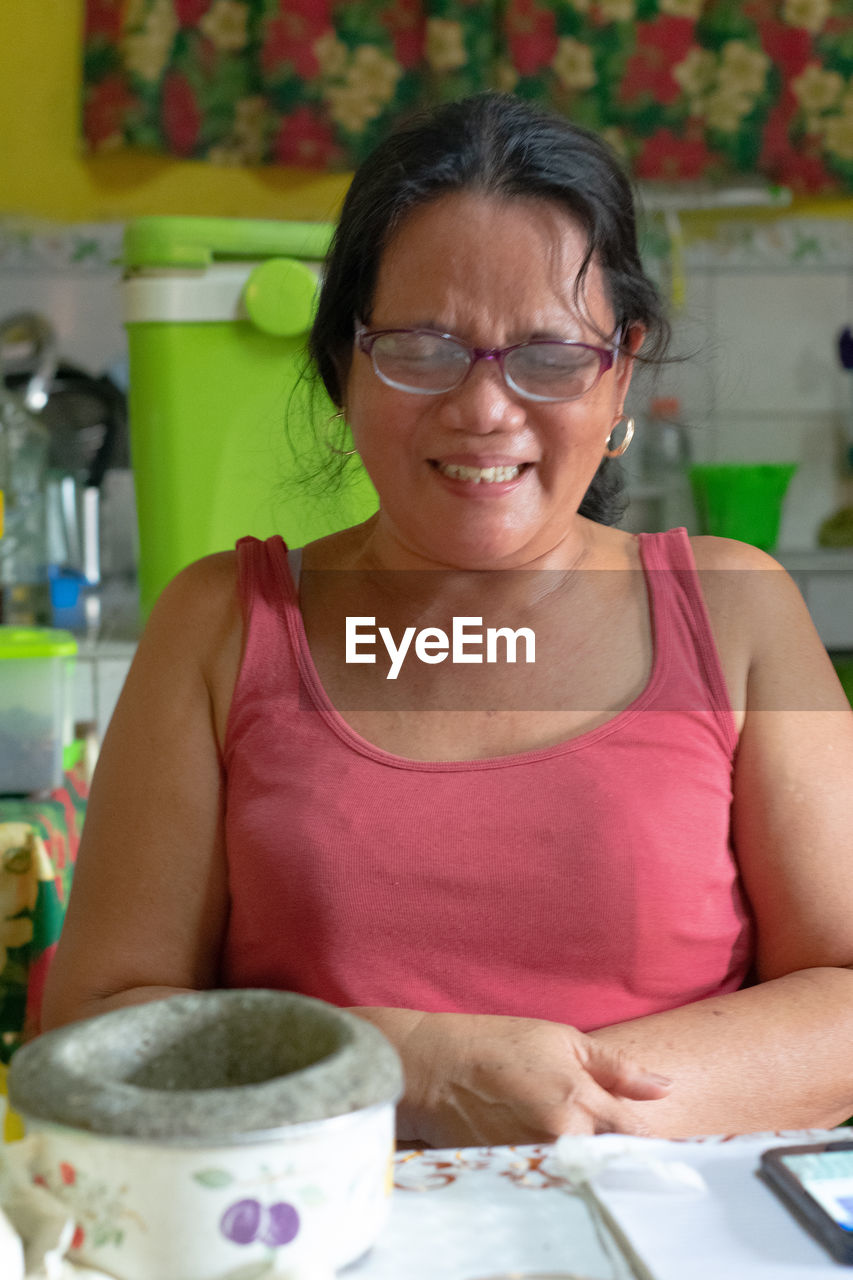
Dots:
{"x": 684, "y": 89}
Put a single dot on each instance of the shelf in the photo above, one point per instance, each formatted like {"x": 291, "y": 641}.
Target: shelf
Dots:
{"x": 819, "y": 559}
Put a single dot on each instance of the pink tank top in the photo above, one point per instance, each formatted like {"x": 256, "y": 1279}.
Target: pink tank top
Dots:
{"x": 588, "y": 882}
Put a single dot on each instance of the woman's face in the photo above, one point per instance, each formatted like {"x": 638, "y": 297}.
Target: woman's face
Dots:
{"x": 492, "y": 273}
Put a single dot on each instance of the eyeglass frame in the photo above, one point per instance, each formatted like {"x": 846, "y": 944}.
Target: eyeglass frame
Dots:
{"x": 365, "y": 339}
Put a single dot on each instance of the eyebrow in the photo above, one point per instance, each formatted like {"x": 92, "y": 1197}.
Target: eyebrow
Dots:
{"x": 550, "y": 335}
{"x": 543, "y": 335}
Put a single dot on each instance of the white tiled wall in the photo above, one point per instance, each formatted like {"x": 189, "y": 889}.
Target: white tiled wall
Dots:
{"x": 85, "y": 312}
{"x": 764, "y": 304}
{"x": 72, "y": 276}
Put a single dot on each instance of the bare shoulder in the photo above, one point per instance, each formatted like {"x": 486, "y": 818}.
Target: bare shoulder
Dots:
{"x": 763, "y": 628}
{"x": 741, "y": 582}
{"x": 769, "y": 647}
{"x": 195, "y": 630}
{"x": 203, "y": 586}
{"x": 726, "y": 553}
{"x": 202, "y": 596}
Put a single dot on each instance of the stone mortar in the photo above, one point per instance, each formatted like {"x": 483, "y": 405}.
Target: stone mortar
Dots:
{"x": 207, "y": 1066}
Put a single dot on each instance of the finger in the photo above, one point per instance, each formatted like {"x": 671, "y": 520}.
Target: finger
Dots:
{"x": 597, "y": 1111}
{"x": 619, "y": 1075}
{"x": 623, "y": 1119}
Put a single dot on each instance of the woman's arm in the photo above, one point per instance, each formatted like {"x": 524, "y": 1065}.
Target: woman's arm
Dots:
{"x": 779, "y": 1054}
{"x": 776, "y": 1055}
{"x": 149, "y": 897}
{"x": 479, "y": 1079}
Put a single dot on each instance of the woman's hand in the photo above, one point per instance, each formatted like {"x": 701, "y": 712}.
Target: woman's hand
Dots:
{"x": 480, "y": 1079}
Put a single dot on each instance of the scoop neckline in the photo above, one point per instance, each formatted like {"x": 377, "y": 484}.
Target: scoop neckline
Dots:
{"x": 324, "y": 706}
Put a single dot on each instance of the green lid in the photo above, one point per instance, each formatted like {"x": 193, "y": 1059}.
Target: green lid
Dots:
{"x": 197, "y": 242}
{"x": 36, "y": 642}
{"x": 279, "y": 297}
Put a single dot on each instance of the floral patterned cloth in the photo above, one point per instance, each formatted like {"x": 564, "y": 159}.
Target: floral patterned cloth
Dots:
{"x": 38, "y": 847}
{"x": 684, "y": 89}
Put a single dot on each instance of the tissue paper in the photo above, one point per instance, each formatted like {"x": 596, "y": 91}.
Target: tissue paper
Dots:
{"x": 628, "y": 1163}
{"x": 11, "y": 1251}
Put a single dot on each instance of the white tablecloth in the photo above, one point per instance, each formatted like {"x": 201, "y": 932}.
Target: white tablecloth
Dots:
{"x": 475, "y": 1213}
{"x": 463, "y": 1215}
{"x": 737, "y": 1228}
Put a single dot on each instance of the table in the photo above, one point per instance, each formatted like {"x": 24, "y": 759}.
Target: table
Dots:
{"x": 735, "y": 1227}
{"x": 488, "y": 1212}
{"x": 484, "y": 1211}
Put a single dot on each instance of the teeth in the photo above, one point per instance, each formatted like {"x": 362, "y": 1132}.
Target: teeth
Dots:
{"x": 479, "y": 475}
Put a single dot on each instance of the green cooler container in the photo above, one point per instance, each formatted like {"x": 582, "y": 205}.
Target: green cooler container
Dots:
{"x": 227, "y": 435}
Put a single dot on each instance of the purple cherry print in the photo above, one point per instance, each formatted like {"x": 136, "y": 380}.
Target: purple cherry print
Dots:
{"x": 280, "y": 1224}
{"x": 241, "y": 1220}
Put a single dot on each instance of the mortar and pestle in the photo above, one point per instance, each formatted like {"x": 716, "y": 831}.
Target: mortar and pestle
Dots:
{"x": 214, "y": 1133}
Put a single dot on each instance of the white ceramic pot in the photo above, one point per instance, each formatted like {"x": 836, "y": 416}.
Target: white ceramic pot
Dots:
{"x": 212, "y": 1199}
{"x": 318, "y": 1193}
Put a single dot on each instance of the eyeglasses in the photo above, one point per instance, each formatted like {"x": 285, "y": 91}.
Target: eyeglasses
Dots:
{"x": 427, "y": 363}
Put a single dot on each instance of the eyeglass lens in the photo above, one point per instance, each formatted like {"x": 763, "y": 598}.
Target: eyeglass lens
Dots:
{"x": 430, "y": 363}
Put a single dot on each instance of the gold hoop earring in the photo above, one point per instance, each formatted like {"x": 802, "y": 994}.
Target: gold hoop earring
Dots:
{"x": 340, "y": 416}
{"x": 626, "y": 439}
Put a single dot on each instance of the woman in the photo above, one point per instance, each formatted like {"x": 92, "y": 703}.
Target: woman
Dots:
{"x": 602, "y": 889}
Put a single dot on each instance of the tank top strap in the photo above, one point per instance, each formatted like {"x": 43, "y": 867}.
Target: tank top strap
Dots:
{"x": 682, "y": 624}
{"x": 271, "y": 620}
{"x": 264, "y": 573}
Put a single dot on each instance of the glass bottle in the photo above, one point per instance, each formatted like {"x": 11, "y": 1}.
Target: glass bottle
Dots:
{"x": 24, "y": 586}
{"x": 666, "y": 456}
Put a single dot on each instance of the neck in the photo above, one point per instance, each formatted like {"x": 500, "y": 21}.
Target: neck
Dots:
{"x": 377, "y": 546}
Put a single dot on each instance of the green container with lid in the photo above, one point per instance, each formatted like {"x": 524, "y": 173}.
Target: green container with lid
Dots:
{"x": 36, "y": 707}
{"x": 227, "y": 434}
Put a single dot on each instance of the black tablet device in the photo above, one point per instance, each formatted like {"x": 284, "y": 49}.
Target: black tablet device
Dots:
{"x": 815, "y": 1181}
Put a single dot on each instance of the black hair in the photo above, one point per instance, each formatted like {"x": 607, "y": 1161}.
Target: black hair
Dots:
{"x": 497, "y": 145}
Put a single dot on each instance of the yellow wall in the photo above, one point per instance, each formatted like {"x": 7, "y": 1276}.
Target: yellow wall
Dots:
{"x": 43, "y": 171}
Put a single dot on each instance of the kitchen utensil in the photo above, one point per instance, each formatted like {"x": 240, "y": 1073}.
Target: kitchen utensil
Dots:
{"x": 214, "y": 1130}
{"x": 28, "y": 342}
{"x": 86, "y": 418}
{"x": 24, "y": 447}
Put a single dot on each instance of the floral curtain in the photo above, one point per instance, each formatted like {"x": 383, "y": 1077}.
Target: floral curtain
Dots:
{"x": 684, "y": 89}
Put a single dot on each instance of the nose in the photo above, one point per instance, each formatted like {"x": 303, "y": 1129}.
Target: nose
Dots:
{"x": 483, "y": 402}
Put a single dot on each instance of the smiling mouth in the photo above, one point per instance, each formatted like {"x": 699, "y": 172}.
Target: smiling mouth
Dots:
{"x": 480, "y": 475}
